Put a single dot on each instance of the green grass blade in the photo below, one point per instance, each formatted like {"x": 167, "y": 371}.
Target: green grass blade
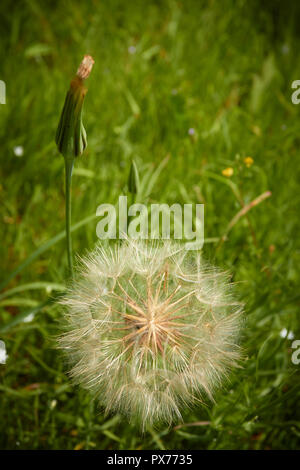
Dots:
{"x": 44, "y": 247}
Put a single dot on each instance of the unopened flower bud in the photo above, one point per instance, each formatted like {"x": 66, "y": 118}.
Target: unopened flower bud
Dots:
{"x": 133, "y": 179}
{"x": 71, "y": 135}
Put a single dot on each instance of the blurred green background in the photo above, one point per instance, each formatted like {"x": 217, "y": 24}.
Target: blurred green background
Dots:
{"x": 189, "y": 90}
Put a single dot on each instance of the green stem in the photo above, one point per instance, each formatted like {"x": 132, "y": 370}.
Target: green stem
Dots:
{"x": 132, "y": 198}
{"x": 68, "y": 170}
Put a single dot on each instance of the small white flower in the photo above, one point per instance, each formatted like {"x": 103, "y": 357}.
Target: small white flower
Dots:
{"x": 3, "y": 355}
{"x": 53, "y": 404}
{"x": 132, "y": 50}
{"x": 29, "y": 318}
{"x": 285, "y": 49}
{"x": 191, "y": 131}
{"x": 19, "y": 151}
{"x": 286, "y": 334}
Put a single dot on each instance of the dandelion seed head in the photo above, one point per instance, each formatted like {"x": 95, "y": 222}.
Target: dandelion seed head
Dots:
{"x": 150, "y": 328}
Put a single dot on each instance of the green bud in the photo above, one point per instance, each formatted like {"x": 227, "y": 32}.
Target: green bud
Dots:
{"x": 133, "y": 179}
{"x": 71, "y": 135}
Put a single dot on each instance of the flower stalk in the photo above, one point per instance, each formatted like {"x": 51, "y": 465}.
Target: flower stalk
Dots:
{"x": 69, "y": 164}
{"x": 133, "y": 184}
{"x": 71, "y": 138}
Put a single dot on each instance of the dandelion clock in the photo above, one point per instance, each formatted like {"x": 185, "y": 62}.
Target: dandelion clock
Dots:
{"x": 150, "y": 329}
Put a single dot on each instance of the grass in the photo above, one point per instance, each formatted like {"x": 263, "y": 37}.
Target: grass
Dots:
{"x": 161, "y": 68}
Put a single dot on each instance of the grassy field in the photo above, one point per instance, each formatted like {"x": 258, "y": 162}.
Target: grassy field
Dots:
{"x": 224, "y": 70}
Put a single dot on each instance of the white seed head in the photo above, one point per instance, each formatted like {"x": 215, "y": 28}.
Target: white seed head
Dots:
{"x": 150, "y": 328}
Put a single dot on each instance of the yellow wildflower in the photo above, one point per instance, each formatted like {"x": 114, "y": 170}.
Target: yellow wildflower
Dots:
{"x": 256, "y": 130}
{"x": 248, "y": 161}
{"x": 228, "y": 172}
